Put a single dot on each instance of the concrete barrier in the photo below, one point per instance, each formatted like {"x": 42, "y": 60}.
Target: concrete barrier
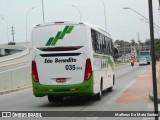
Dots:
{"x": 15, "y": 79}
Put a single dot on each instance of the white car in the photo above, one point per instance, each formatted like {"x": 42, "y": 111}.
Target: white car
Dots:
{"x": 143, "y": 61}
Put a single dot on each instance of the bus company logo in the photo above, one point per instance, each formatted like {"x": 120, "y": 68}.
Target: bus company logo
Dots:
{"x": 60, "y": 35}
{"x": 57, "y": 60}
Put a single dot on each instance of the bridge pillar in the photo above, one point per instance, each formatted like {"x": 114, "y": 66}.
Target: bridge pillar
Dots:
{"x": 3, "y": 51}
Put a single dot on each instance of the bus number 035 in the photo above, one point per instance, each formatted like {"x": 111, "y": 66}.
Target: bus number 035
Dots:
{"x": 70, "y": 67}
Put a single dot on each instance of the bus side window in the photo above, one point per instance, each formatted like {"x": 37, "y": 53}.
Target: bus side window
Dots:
{"x": 105, "y": 45}
{"x": 93, "y": 40}
{"x": 101, "y": 44}
{"x": 110, "y": 46}
{"x": 95, "y": 43}
{"x": 100, "y": 40}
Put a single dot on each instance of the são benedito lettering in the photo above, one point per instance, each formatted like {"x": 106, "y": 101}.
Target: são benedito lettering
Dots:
{"x": 70, "y": 59}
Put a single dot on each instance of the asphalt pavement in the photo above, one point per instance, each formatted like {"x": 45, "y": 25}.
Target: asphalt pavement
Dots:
{"x": 131, "y": 93}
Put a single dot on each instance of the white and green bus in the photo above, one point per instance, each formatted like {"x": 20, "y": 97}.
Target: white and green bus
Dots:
{"x": 70, "y": 59}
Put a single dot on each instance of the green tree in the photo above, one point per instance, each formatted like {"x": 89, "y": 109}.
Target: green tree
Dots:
{"x": 122, "y": 43}
{"x": 147, "y": 42}
{"x": 156, "y": 46}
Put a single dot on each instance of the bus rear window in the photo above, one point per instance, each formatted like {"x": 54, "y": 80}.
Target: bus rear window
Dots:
{"x": 70, "y": 48}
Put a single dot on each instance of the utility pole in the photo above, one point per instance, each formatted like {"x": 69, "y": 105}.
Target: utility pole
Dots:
{"x": 138, "y": 36}
{"x": 153, "y": 59}
{"x": 133, "y": 50}
{"x": 138, "y": 43}
{"x": 12, "y": 30}
{"x": 159, "y": 6}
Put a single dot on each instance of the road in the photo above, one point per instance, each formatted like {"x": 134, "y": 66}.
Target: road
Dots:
{"x": 25, "y": 101}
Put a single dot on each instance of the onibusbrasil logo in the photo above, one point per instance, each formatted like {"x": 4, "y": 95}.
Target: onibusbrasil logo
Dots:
{"x": 60, "y": 35}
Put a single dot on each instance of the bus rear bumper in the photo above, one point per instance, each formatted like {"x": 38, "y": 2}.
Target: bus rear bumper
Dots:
{"x": 85, "y": 88}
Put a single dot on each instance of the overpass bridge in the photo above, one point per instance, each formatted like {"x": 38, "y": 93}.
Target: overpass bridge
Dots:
{"x": 11, "y": 52}
{"x": 128, "y": 49}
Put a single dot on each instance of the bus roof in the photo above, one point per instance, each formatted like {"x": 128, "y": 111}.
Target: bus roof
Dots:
{"x": 74, "y": 23}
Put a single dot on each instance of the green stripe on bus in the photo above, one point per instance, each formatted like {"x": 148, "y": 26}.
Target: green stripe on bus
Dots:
{"x": 70, "y": 29}
{"x": 54, "y": 41}
{"x": 49, "y": 41}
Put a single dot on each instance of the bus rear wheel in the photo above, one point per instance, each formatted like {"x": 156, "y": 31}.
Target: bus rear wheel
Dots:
{"x": 51, "y": 99}
{"x": 55, "y": 98}
{"x": 99, "y": 95}
{"x": 110, "y": 89}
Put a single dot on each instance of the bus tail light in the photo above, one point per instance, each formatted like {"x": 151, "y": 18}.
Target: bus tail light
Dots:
{"x": 88, "y": 70}
{"x": 34, "y": 72}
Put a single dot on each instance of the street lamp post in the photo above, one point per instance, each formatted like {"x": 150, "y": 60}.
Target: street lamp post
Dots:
{"x": 135, "y": 12}
{"x": 78, "y": 11}
{"x": 104, "y": 10}
{"x": 26, "y": 19}
{"x": 140, "y": 15}
{"x": 7, "y": 27}
{"x": 43, "y": 11}
{"x": 156, "y": 29}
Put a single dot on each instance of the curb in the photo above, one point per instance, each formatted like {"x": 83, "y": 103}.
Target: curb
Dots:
{"x": 152, "y": 97}
{"x": 14, "y": 90}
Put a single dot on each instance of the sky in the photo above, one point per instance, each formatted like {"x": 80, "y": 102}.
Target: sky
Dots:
{"x": 122, "y": 24}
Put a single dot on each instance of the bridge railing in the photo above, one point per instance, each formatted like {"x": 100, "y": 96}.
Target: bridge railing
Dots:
{"x": 148, "y": 47}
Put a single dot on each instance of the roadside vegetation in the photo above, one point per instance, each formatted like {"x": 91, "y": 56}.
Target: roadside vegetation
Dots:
{"x": 124, "y": 54}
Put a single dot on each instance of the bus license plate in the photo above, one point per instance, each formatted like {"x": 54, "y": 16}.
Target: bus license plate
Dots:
{"x": 61, "y": 80}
